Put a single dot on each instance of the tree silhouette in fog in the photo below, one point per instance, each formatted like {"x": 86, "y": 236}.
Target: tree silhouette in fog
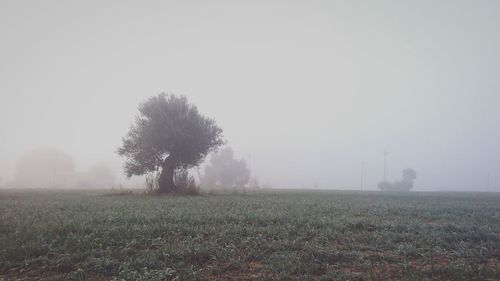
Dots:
{"x": 226, "y": 171}
{"x": 99, "y": 175}
{"x": 405, "y": 184}
{"x": 168, "y": 134}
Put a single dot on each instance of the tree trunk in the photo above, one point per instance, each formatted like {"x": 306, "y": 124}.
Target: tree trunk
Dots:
{"x": 166, "y": 180}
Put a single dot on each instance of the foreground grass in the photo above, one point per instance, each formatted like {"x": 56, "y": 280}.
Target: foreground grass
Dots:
{"x": 286, "y": 235}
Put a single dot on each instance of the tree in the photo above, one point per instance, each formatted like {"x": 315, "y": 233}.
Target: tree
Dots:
{"x": 385, "y": 185}
{"x": 168, "y": 134}
{"x": 99, "y": 175}
{"x": 409, "y": 175}
{"x": 226, "y": 171}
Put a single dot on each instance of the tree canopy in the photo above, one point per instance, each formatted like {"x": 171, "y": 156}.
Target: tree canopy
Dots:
{"x": 169, "y": 133}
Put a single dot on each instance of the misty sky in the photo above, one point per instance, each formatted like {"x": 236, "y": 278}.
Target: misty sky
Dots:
{"x": 310, "y": 88}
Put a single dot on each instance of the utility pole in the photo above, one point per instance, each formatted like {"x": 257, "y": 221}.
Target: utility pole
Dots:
{"x": 53, "y": 171}
{"x": 488, "y": 182}
{"x": 362, "y": 174}
{"x": 250, "y": 163}
{"x": 385, "y": 164}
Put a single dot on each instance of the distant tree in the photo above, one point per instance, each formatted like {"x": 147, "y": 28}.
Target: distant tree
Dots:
{"x": 99, "y": 175}
{"x": 226, "y": 171}
{"x": 409, "y": 175}
{"x": 168, "y": 134}
{"x": 385, "y": 185}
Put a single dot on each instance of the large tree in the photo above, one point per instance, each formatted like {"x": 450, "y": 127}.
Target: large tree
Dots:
{"x": 168, "y": 134}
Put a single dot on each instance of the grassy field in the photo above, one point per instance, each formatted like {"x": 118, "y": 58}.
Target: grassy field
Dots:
{"x": 279, "y": 235}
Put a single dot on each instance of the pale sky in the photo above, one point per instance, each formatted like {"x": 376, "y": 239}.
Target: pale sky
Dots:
{"x": 310, "y": 88}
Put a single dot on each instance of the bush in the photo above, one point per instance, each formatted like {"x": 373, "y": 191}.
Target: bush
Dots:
{"x": 186, "y": 182}
{"x": 152, "y": 182}
{"x": 182, "y": 179}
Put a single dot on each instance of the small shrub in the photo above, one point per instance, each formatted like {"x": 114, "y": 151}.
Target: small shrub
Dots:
{"x": 186, "y": 182}
{"x": 152, "y": 182}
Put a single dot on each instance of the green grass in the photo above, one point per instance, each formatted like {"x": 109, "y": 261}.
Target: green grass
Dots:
{"x": 281, "y": 235}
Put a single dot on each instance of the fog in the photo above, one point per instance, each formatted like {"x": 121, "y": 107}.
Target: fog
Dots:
{"x": 309, "y": 89}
